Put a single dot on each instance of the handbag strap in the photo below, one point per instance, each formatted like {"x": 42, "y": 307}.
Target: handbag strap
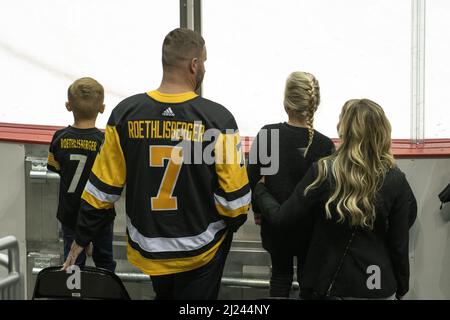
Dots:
{"x": 340, "y": 263}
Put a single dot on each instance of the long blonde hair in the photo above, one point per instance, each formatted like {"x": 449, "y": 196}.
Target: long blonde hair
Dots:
{"x": 302, "y": 96}
{"x": 360, "y": 164}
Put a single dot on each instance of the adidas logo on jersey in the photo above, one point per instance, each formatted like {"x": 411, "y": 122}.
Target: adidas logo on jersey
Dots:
{"x": 168, "y": 113}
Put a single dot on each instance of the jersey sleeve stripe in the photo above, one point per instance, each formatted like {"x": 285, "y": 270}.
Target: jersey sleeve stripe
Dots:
{"x": 230, "y": 196}
{"x": 52, "y": 161}
{"x": 232, "y": 213}
{"x": 94, "y": 202}
{"x": 109, "y": 166}
{"x": 100, "y": 195}
{"x": 106, "y": 188}
{"x": 234, "y": 204}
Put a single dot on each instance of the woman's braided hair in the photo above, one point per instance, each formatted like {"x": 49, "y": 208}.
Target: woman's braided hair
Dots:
{"x": 302, "y": 95}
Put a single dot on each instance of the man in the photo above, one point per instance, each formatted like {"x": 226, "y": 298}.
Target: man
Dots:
{"x": 187, "y": 187}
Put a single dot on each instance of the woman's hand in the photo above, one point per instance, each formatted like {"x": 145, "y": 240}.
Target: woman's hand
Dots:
{"x": 257, "y": 218}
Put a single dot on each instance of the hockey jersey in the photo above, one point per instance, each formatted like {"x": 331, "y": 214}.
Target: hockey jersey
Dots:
{"x": 180, "y": 157}
{"x": 71, "y": 154}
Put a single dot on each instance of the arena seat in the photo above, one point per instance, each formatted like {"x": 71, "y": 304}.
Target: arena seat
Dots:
{"x": 95, "y": 284}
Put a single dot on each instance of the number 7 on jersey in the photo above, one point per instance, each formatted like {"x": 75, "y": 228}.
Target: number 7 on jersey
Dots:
{"x": 165, "y": 200}
{"x": 78, "y": 172}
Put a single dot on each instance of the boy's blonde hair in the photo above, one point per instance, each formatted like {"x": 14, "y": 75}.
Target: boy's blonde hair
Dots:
{"x": 302, "y": 96}
{"x": 85, "y": 97}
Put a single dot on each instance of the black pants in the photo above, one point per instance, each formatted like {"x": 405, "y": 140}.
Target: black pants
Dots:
{"x": 198, "y": 284}
{"x": 282, "y": 274}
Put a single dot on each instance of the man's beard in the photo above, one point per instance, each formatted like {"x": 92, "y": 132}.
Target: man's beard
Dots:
{"x": 199, "y": 80}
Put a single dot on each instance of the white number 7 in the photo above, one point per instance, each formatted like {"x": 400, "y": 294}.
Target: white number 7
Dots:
{"x": 76, "y": 177}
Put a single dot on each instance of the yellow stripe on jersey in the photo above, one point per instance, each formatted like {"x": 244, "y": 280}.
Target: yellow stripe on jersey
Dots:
{"x": 159, "y": 267}
{"x": 230, "y": 168}
{"x": 52, "y": 161}
{"x": 232, "y": 213}
{"x": 172, "y": 97}
{"x": 94, "y": 202}
{"x": 109, "y": 166}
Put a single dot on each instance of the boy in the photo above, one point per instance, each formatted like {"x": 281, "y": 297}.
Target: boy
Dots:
{"x": 72, "y": 154}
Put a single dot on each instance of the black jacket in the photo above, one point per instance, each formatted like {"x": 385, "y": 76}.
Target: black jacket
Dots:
{"x": 330, "y": 269}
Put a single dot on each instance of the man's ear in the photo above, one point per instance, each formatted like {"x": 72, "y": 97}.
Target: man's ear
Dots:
{"x": 193, "y": 67}
{"x": 102, "y": 108}
{"x": 68, "y": 107}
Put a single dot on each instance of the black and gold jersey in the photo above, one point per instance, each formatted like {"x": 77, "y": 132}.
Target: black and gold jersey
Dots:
{"x": 180, "y": 157}
{"x": 72, "y": 153}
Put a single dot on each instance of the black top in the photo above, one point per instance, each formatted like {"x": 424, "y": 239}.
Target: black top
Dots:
{"x": 292, "y": 167}
{"x": 332, "y": 270}
{"x": 72, "y": 154}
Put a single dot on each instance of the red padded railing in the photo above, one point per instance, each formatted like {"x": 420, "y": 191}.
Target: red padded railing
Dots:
{"x": 401, "y": 148}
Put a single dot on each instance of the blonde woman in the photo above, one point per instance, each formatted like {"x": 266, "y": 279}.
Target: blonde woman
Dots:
{"x": 296, "y": 145}
{"x": 362, "y": 207}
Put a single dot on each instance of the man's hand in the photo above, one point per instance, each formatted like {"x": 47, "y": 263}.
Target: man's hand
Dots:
{"x": 75, "y": 251}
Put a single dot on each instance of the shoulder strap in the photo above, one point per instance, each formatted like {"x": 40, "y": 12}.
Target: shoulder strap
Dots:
{"x": 340, "y": 263}
{"x": 329, "y": 165}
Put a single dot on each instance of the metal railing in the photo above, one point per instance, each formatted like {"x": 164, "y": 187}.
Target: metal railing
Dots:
{"x": 10, "y": 285}
{"x": 38, "y": 170}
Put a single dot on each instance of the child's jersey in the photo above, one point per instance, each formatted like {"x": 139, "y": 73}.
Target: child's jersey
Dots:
{"x": 72, "y": 154}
